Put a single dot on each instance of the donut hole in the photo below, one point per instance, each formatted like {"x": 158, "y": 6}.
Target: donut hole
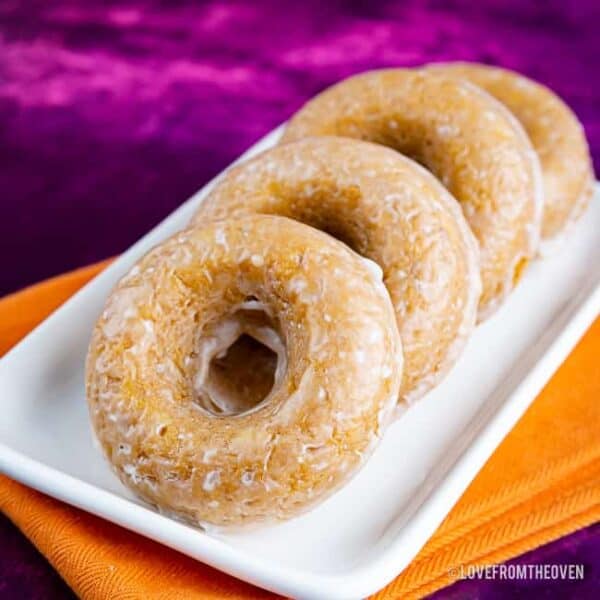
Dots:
{"x": 316, "y": 202}
{"x": 243, "y": 377}
{"x": 245, "y": 363}
{"x": 347, "y": 234}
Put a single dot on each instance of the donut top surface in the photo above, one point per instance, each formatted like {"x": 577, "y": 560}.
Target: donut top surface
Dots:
{"x": 387, "y": 208}
{"x": 149, "y": 349}
{"x": 469, "y": 140}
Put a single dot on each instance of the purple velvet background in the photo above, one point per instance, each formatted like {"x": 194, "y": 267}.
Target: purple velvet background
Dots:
{"x": 112, "y": 114}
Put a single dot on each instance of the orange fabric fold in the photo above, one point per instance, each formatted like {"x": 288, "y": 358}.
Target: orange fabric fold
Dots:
{"x": 541, "y": 483}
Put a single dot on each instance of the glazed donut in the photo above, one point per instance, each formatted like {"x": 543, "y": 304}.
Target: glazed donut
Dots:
{"x": 387, "y": 208}
{"x": 210, "y": 460}
{"x": 556, "y": 135}
{"x": 470, "y": 141}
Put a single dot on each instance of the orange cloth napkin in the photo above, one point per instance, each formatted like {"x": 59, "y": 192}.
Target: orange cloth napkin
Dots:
{"x": 542, "y": 482}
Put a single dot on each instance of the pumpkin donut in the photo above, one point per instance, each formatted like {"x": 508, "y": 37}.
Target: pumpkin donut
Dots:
{"x": 556, "y": 135}
{"x": 387, "y": 208}
{"x": 470, "y": 141}
{"x": 209, "y": 459}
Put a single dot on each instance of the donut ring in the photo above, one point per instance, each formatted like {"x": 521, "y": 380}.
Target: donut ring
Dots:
{"x": 390, "y": 210}
{"x": 147, "y": 364}
{"x": 557, "y": 137}
{"x": 469, "y": 140}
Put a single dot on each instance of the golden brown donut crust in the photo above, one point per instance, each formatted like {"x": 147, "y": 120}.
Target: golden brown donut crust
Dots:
{"x": 387, "y": 208}
{"x": 469, "y": 140}
{"x": 556, "y": 134}
{"x": 322, "y": 418}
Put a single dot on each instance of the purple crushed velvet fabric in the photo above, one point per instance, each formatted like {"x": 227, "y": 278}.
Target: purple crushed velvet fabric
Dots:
{"x": 112, "y": 114}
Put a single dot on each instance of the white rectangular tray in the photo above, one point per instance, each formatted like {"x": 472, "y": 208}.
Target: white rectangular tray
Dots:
{"x": 366, "y": 534}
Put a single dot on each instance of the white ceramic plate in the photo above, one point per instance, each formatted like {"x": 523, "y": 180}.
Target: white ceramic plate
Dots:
{"x": 366, "y": 534}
